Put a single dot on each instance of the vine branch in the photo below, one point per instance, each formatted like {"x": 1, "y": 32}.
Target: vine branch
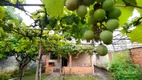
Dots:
{"x": 129, "y": 4}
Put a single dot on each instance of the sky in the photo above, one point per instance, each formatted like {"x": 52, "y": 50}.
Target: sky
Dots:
{"x": 30, "y": 9}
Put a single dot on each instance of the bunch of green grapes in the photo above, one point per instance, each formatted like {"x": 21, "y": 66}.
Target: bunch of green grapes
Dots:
{"x": 79, "y": 5}
{"x": 103, "y": 19}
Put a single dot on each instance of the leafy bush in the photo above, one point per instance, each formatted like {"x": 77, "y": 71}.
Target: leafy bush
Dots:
{"x": 6, "y": 75}
{"x": 122, "y": 67}
{"x": 30, "y": 72}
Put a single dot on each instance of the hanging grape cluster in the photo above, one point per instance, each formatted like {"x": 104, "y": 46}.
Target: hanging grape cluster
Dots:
{"x": 102, "y": 20}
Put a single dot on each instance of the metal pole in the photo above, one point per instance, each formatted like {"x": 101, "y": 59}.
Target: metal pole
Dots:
{"x": 38, "y": 70}
{"x": 60, "y": 65}
{"x": 22, "y": 4}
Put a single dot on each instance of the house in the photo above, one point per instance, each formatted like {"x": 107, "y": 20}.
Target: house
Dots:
{"x": 73, "y": 64}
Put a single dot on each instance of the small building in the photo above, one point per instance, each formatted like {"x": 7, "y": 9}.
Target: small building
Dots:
{"x": 73, "y": 64}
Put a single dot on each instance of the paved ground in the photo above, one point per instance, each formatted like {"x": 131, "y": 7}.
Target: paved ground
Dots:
{"x": 100, "y": 74}
{"x": 53, "y": 76}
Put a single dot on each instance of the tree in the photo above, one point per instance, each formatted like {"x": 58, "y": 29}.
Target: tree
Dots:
{"x": 24, "y": 50}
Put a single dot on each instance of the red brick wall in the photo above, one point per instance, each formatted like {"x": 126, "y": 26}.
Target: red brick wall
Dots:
{"x": 49, "y": 69}
{"x": 136, "y": 55}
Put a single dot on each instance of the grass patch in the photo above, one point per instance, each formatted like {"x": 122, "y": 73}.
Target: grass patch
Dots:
{"x": 78, "y": 77}
{"x": 30, "y": 75}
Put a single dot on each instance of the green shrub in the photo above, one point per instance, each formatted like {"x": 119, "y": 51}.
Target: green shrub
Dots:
{"x": 5, "y": 76}
{"x": 29, "y": 72}
{"x": 122, "y": 67}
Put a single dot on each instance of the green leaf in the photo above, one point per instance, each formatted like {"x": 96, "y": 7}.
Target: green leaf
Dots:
{"x": 136, "y": 34}
{"x": 2, "y": 13}
{"x": 1, "y": 56}
{"x": 119, "y": 2}
{"x": 54, "y": 7}
{"x": 125, "y": 15}
{"x": 139, "y": 3}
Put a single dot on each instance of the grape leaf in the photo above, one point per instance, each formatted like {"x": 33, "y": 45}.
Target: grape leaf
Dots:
{"x": 139, "y": 3}
{"x": 119, "y": 2}
{"x": 126, "y": 13}
{"x": 54, "y": 7}
{"x": 136, "y": 34}
{"x": 2, "y": 13}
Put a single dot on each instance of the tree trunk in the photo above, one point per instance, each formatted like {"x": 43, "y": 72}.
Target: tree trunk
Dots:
{"x": 38, "y": 70}
{"x": 21, "y": 73}
{"x": 60, "y": 64}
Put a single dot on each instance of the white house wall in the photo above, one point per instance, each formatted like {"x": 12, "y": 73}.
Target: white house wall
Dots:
{"x": 101, "y": 61}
